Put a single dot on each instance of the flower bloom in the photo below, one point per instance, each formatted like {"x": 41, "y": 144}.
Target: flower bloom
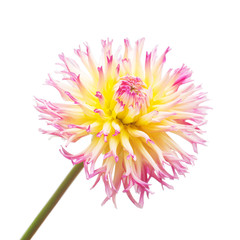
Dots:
{"x": 129, "y": 110}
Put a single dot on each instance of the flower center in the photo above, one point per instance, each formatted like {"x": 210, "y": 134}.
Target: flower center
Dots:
{"x": 131, "y": 91}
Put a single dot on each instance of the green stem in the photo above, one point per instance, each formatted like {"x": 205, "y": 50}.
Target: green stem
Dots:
{"x": 52, "y": 202}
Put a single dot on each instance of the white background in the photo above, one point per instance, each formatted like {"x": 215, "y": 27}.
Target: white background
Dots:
{"x": 202, "y": 34}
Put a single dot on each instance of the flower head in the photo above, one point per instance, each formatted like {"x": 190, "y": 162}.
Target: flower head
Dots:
{"x": 129, "y": 110}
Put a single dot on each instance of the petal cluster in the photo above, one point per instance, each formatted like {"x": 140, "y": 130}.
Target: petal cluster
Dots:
{"x": 129, "y": 109}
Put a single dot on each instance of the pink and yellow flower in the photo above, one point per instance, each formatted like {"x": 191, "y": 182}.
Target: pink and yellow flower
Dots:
{"x": 129, "y": 110}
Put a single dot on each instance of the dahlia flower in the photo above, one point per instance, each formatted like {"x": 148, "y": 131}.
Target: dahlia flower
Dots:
{"x": 129, "y": 109}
